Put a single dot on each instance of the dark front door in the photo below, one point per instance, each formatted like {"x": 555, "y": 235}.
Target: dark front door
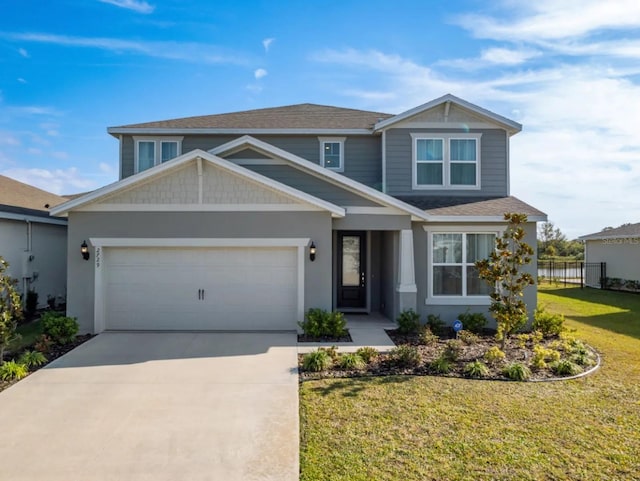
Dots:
{"x": 352, "y": 256}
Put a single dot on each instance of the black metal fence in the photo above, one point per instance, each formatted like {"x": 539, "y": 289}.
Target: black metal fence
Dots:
{"x": 592, "y": 274}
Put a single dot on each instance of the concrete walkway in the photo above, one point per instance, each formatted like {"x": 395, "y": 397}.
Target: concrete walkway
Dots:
{"x": 157, "y": 406}
{"x": 365, "y": 330}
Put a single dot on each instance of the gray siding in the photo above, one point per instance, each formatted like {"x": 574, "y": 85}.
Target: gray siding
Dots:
{"x": 311, "y": 185}
{"x": 362, "y": 153}
{"x": 449, "y": 313}
{"x": 493, "y": 164}
{"x": 85, "y": 225}
{"x": 388, "y": 273}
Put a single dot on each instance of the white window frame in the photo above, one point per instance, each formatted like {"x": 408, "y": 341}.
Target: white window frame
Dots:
{"x": 158, "y": 141}
{"x": 332, "y": 140}
{"x": 446, "y": 163}
{"x": 432, "y": 299}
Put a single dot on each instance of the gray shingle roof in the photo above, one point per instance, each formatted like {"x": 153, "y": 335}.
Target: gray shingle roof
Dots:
{"x": 471, "y": 206}
{"x": 628, "y": 230}
{"x": 19, "y": 194}
{"x": 300, "y": 116}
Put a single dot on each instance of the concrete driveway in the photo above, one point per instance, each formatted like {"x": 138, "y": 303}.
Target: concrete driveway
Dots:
{"x": 157, "y": 406}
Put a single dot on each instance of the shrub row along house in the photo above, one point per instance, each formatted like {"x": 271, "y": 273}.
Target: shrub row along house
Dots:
{"x": 245, "y": 220}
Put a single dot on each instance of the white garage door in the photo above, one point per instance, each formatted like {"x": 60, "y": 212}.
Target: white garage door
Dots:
{"x": 201, "y": 288}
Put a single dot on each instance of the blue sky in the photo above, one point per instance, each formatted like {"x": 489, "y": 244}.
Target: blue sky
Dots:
{"x": 568, "y": 70}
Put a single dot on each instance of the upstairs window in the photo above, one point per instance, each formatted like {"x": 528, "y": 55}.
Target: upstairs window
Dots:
{"x": 446, "y": 161}
{"x": 153, "y": 151}
{"x": 332, "y": 153}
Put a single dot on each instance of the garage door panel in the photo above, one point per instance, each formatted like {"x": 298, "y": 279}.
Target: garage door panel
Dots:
{"x": 244, "y": 288}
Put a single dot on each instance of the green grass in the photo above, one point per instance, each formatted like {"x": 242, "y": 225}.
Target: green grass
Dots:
{"x": 29, "y": 333}
{"x": 429, "y": 428}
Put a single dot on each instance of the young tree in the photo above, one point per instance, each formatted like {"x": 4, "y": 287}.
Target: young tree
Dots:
{"x": 10, "y": 308}
{"x": 503, "y": 272}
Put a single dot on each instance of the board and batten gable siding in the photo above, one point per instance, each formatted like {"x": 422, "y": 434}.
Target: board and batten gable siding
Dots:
{"x": 493, "y": 163}
{"x": 363, "y": 153}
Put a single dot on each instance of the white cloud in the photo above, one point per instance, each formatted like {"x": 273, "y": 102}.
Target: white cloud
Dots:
{"x": 553, "y": 19}
{"x": 58, "y": 181}
{"x": 506, "y": 56}
{"x": 106, "y": 168}
{"x": 135, "y": 5}
{"x": 7, "y": 138}
{"x": 255, "y": 88}
{"x": 34, "y": 151}
{"x": 23, "y": 52}
{"x": 21, "y": 80}
{"x": 184, "y": 51}
{"x": 60, "y": 155}
{"x": 260, "y": 73}
{"x": 266, "y": 43}
{"x": 576, "y": 158}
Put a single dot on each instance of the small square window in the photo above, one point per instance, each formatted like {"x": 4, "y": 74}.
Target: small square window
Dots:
{"x": 332, "y": 153}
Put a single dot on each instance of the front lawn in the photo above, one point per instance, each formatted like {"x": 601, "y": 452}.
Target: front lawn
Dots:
{"x": 422, "y": 428}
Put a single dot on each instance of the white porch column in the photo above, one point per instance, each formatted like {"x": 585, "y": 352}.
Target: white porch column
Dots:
{"x": 406, "y": 289}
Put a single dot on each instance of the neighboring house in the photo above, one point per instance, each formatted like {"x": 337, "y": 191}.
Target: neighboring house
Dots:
{"x": 245, "y": 220}
{"x": 618, "y": 248}
{"x": 31, "y": 241}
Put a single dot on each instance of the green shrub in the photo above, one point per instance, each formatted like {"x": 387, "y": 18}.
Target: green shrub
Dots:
{"x": 441, "y": 365}
{"x": 494, "y": 355}
{"x": 332, "y": 352}
{"x": 367, "y": 354}
{"x": 12, "y": 370}
{"x": 336, "y": 324}
{"x": 405, "y": 356}
{"x": 61, "y": 329}
{"x": 351, "y": 361}
{"x": 32, "y": 359}
{"x": 436, "y": 324}
{"x": 316, "y": 361}
{"x": 584, "y": 360}
{"x": 542, "y": 355}
{"x": 577, "y": 347}
{"x": 427, "y": 337}
{"x": 517, "y": 371}
{"x": 453, "y": 349}
{"x": 550, "y": 325}
{"x": 566, "y": 368}
{"x": 468, "y": 337}
{"x": 43, "y": 344}
{"x": 476, "y": 369}
{"x": 473, "y": 321}
{"x": 321, "y": 323}
{"x": 408, "y": 322}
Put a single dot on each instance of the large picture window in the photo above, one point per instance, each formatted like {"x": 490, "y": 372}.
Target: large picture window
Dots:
{"x": 453, "y": 263}
{"x": 446, "y": 161}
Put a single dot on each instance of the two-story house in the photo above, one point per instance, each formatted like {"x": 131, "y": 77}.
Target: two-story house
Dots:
{"x": 245, "y": 220}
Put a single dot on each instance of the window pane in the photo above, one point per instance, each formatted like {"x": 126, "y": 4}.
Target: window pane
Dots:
{"x": 463, "y": 149}
{"x": 169, "y": 150}
{"x": 475, "y": 285}
{"x": 429, "y": 173}
{"x": 351, "y": 260}
{"x": 332, "y": 155}
{"x": 463, "y": 174}
{"x": 479, "y": 246}
{"x": 146, "y": 155}
{"x": 447, "y": 248}
{"x": 447, "y": 280}
{"x": 429, "y": 149}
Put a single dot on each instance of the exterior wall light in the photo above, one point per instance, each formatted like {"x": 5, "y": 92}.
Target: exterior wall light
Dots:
{"x": 312, "y": 251}
{"x": 84, "y": 250}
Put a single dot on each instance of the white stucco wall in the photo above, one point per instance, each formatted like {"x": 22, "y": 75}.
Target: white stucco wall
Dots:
{"x": 622, "y": 256}
{"x": 49, "y": 261}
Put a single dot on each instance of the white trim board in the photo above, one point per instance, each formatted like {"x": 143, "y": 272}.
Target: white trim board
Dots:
{"x": 200, "y": 208}
{"x": 219, "y": 162}
{"x": 31, "y": 218}
{"x": 323, "y": 173}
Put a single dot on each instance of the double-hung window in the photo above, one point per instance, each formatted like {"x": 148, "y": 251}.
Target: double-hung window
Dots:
{"x": 446, "y": 161}
{"x": 453, "y": 258}
{"x": 332, "y": 153}
{"x": 154, "y": 151}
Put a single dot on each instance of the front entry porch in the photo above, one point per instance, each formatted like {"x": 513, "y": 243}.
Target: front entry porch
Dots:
{"x": 373, "y": 273}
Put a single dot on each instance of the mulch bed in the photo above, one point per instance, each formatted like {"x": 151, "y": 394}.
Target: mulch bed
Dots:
{"x": 54, "y": 353}
{"x": 384, "y": 364}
